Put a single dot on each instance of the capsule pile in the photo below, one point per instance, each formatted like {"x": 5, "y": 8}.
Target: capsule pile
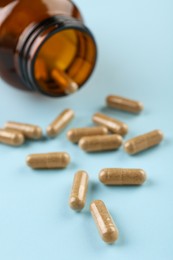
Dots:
{"x": 107, "y": 134}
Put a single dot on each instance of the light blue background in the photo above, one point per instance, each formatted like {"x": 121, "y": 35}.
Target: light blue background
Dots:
{"x": 135, "y": 40}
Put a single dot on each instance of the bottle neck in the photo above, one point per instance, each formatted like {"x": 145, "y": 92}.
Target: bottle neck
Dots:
{"x": 33, "y": 40}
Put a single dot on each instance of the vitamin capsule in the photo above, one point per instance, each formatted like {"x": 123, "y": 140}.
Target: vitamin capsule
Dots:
{"x": 29, "y": 131}
{"x": 60, "y": 123}
{"x": 112, "y": 124}
{"x": 79, "y": 190}
{"x": 143, "y": 142}
{"x": 124, "y": 104}
{"x": 11, "y": 137}
{"x": 104, "y": 222}
{"x": 65, "y": 82}
{"x": 75, "y": 134}
{"x": 100, "y": 143}
{"x": 118, "y": 176}
{"x": 48, "y": 160}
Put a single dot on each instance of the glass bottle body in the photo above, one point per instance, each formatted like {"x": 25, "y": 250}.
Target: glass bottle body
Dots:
{"x": 45, "y": 46}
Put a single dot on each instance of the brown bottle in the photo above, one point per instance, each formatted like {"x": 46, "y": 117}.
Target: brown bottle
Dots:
{"x": 44, "y": 46}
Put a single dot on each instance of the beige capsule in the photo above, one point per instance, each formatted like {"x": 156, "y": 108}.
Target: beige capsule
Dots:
{"x": 112, "y": 124}
{"x": 28, "y": 130}
{"x": 104, "y": 222}
{"x": 75, "y": 134}
{"x": 124, "y": 104}
{"x": 60, "y": 123}
{"x": 143, "y": 142}
{"x": 100, "y": 143}
{"x": 48, "y": 160}
{"x": 64, "y": 81}
{"x": 119, "y": 176}
{"x": 79, "y": 191}
{"x": 11, "y": 137}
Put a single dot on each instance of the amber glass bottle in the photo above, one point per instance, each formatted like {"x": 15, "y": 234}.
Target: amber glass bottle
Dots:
{"x": 45, "y": 46}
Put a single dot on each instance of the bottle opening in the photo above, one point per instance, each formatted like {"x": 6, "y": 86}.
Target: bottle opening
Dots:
{"x": 56, "y": 56}
{"x": 64, "y": 62}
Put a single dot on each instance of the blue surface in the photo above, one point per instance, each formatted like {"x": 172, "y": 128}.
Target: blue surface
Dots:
{"x": 135, "y": 60}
